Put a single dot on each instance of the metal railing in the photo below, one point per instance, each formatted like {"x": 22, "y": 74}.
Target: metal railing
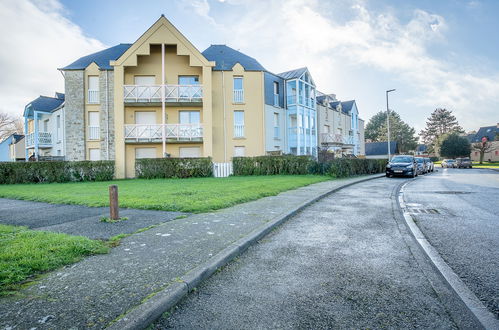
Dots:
{"x": 93, "y": 96}
{"x": 238, "y": 96}
{"x": 336, "y": 138}
{"x": 172, "y": 131}
{"x": 238, "y": 131}
{"x": 172, "y": 93}
{"x": 93, "y": 132}
{"x": 44, "y": 139}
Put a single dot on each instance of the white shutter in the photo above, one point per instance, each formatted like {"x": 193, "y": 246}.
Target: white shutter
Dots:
{"x": 94, "y": 154}
{"x": 93, "y": 118}
{"x": 189, "y": 152}
{"x": 93, "y": 83}
{"x": 145, "y": 153}
{"x": 145, "y": 118}
{"x": 145, "y": 80}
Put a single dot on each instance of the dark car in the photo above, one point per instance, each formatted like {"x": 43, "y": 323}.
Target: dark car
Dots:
{"x": 404, "y": 165}
{"x": 422, "y": 165}
{"x": 463, "y": 163}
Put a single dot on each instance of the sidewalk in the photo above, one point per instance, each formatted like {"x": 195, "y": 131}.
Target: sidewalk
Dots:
{"x": 126, "y": 285}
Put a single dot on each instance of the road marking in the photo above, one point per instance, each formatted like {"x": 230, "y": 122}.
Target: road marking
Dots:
{"x": 483, "y": 315}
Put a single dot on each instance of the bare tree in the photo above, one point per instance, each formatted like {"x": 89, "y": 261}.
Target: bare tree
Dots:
{"x": 9, "y": 124}
{"x": 483, "y": 147}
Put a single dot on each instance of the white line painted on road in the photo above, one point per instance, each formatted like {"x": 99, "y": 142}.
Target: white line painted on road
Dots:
{"x": 484, "y": 316}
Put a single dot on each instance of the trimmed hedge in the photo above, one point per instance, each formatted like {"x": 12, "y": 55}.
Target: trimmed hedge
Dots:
{"x": 289, "y": 164}
{"x": 57, "y": 171}
{"x": 156, "y": 168}
{"x": 270, "y": 165}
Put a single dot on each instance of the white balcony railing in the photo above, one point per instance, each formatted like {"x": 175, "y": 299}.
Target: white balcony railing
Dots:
{"x": 172, "y": 131}
{"x": 336, "y": 138}
{"x": 93, "y": 96}
{"x": 93, "y": 132}
{"x": 44, "y": 139}
{"x": 238, "y": 131}
{"x": 238, "y": 96}
{"x": 172, "y": 93}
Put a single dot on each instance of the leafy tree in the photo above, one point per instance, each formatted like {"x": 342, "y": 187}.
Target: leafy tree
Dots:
{"x": 453, "y": 145}
{"x": 400, "y": 132}
{"x": 440, "y": 122}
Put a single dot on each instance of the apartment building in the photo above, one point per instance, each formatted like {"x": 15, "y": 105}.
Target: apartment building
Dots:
{"x": 342, "y": 131}
{"x": 44, "y": 127}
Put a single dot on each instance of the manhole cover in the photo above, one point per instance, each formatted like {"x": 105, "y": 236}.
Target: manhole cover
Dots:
{"x": 424, "y": 211}
{"x": 453, "y": 192}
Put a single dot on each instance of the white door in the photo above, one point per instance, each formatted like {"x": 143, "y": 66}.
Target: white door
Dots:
{"x": 94, "y": 154}
{"x": 189, "y": 152}
{"x": 145, "y": 153}
{"x": 144, "y": 92}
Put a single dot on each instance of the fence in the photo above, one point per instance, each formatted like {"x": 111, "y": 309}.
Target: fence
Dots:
{"x": 222, "y": 170}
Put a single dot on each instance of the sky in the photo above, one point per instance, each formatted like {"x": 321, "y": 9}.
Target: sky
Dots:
{"x": 436, "y": 54}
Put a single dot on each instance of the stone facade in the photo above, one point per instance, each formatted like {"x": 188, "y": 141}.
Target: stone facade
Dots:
{"x": 106, "y": 88}
{"x": 74, "y": 123}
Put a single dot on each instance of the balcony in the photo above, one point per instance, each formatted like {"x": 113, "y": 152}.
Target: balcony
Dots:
{"x": 238, "y": 96}
{"x": 44, "y": 140}
{"x": 93, "y": 96}
{"x": 239, "y": 131}
{"x": 173, "y": 94}
{"x": 93, "y": 132}
{"x": 173, "y": 132}
{"x": 336, "y": 139}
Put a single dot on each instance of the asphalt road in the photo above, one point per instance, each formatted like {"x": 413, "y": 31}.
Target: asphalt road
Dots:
{"x": 465, "y": 231}
{"x": 347, "y": 261}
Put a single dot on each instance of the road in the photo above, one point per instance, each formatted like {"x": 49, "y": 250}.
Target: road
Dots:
{"x": 465, "y": 231}
{"x": 346, "y": 261}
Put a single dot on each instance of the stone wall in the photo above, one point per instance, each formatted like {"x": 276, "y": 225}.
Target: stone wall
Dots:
{"x": 105, "y": 117}
{"x": 74, "y": 123}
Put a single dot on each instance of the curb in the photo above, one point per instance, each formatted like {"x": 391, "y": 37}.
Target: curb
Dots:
{"x": 475, "y": 307}
{"x": 141, "y": 316}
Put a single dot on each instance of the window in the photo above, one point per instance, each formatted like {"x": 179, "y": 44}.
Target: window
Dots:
{"x": 326, "y": 129}
{"x": 94, "y": 154}
{"x": 141, "y": 153}
{"x": 189, "y": 117}
{"x": 238, "y": 90}
{"x": 238, "y": 124}
{"x": 239, "y": 151}
{"x": 189, "y": 152}
{"x": 276, "y": 125}
{"x": 185, "y": 90}
{"x": 145, "y": 117}
{"x": 93, "y": 125}
{"x": 144, "y": 92}
{"x": 276, "y": 93}
{"x": 188, "y": 80}
{"x": 46, "y": 125}
{"x": 93, "y": 89}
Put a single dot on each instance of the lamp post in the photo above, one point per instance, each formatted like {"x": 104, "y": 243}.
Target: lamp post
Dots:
{"x": 388, "y": 121}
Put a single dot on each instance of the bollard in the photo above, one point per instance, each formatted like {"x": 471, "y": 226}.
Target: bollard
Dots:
{"x": 113, "y": 202}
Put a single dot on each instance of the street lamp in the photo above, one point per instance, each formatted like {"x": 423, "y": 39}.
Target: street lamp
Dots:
{"x": 388, "y": 121}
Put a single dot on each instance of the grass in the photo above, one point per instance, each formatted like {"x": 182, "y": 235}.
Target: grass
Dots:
{"x": 185, "y": 195}
{"x": 25, "y": 253}
{"x": 486, "y": 165}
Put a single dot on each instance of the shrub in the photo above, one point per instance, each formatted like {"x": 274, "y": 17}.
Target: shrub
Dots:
{"x": 270, "y": 165}
{"x": 155, "y": 168}
{"x": 57, "y": 171}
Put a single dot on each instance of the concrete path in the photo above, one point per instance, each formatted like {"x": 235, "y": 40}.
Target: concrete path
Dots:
{"x": 108, "y": 288}
{"x": 346, "y": 262}
{"x": 78, "y": 220}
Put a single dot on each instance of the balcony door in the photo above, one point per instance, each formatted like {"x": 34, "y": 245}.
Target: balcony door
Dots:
{"x": 146, "y": 127}
{"x": 145, "y": 117}
{"x": 189, "y": 117}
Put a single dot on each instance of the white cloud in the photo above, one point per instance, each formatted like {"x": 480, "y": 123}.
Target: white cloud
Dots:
{"x": 286, "y": 34}
{"x": 36, "y": 39}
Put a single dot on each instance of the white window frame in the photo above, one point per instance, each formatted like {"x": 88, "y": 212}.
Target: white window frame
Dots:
{"x": 93, "y": 91}
{"x": 238, "y": 94}
{"x": 239, "y": 127}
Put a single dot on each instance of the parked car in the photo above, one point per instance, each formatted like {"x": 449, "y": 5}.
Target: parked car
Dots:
{"x": 448, "y": 163}
{"x": 404, "y": 165}
{"x": 422, "y": 165}
{"x": 431, "y": 166}
{"x": 463, "y": 163}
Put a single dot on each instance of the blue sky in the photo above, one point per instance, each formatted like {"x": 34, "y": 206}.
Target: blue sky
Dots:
{"x": 435, "y": 53}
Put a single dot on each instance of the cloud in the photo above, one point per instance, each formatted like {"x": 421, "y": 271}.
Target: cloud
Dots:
{"x": 334, "y": 41}
{"x": 36, "y": 39}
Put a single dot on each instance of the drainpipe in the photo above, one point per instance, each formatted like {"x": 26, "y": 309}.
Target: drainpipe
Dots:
{"x": 35, "y": 135}
{"x": 26, "y": 153}
{"x": 107, "y": 113}
{"x": 225, "y": 116}
{"x": 163, "y": 114}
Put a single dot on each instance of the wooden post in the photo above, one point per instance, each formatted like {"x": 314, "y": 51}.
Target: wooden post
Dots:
{"x": 113, "y": 202}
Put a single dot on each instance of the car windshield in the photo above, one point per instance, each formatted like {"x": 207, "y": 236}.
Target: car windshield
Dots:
{"x": 402, "y": 159}
{"x": 451, "y": 161}
{"x": 420, "y": 160}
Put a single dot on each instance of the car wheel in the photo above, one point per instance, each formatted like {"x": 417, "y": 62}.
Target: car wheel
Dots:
{"x": 387, "y": 175}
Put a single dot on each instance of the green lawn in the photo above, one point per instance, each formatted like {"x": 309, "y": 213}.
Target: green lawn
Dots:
{"x": 187, "y": 195}
{"x": 486, "y": 165}
{"x": 25, "y": 252}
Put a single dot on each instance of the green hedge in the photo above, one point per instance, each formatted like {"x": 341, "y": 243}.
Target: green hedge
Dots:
{"x": 288, "y": 164}
{"x": 57, "y": 171}
{"x": 270, "y": 165}
{"x": 155, "y": 168}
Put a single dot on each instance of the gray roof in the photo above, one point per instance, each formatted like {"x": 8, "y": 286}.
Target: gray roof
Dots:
{"x": 297, "y": 73}
{"x": 488, "y": 131}
{"x": 380, "y": 148}
{"x": 101, "y": 58}
{"x": 44, "y": 104}
{"x": 226, "y": 57}
{"x": 346, "y": 106}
